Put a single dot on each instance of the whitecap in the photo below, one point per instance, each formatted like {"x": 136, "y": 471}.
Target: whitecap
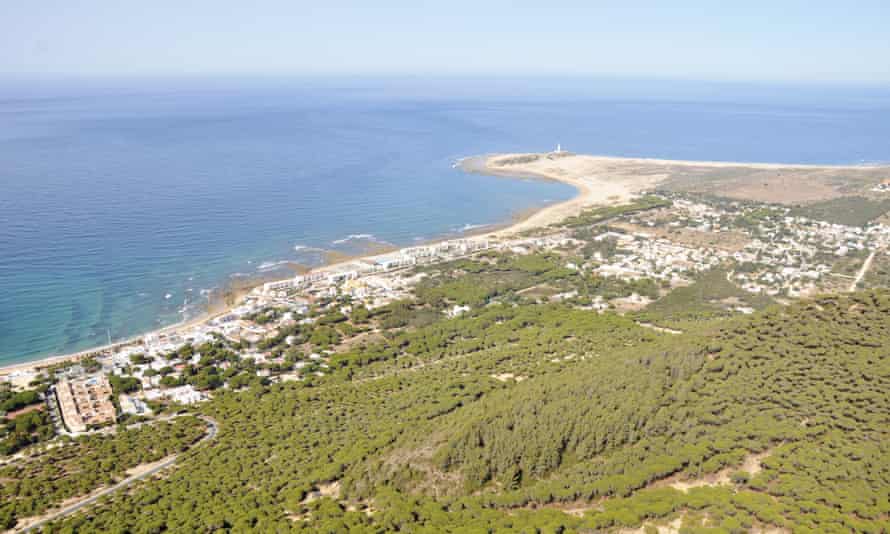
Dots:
{"x": 269, "y": 265}
{"x": 354, "y": 237}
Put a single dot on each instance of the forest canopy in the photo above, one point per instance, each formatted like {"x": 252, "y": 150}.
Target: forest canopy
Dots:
{"x": 504, "y": 418}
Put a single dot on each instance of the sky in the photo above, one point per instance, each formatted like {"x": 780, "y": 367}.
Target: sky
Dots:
{"x": 749, "y": 41}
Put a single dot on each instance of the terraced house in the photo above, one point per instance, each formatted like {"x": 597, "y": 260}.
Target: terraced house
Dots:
{"x": 85, "y": 402}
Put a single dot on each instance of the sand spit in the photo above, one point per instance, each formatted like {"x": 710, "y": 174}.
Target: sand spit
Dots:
{"x": 598, "y": 181}
{"x": 604, "y": 179}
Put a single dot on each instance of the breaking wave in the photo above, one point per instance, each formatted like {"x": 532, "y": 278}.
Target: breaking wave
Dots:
{"x": 354, "y": 237}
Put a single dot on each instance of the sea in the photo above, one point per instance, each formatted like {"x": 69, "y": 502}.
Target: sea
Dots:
{"x": 128, "y": 205}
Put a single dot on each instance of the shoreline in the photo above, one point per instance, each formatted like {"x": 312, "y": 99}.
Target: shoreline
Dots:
{"x": 487, "y": 230}
{"x": 592, "y": 189}
{"x": 75, "y": 356}
{"x": 544, "y": 216}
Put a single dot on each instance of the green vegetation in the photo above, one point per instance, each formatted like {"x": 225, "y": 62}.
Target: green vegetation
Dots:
{"x": 527, "y": 403}
{"x": 139, "y": 359}
{"x": 513, "y": 279}
{"x": 488, "y": 420}
{"x": 31, "y": 425}
{"x": 47, "y": 477}
{"x": 851, "y": 211}
{"x": 23, "y": 430}
{"x": 218, "y": 363}
{"x": 850, "y": 264}
{"x": 10, "y": 401}
{"x": 605, "y": 247}
{"x": 123, "y": 384}
{"x": 710, "y": 296}
{"x": 806, "y": 385}
{"x": 751, "y": 220}
{"x": 277, "y": 442}
{"x": 601, "y": 214}
{"x": 879, "y": 274}
{"x": 475, "y": 283}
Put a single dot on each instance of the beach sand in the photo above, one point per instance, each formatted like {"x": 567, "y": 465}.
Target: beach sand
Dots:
{"x": 596, "y": 180}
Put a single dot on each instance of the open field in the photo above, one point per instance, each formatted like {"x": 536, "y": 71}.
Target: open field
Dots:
{"x": 792, "y": 184}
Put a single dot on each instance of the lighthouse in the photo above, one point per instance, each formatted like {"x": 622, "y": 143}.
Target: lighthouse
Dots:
{"x": 558, "y": 148}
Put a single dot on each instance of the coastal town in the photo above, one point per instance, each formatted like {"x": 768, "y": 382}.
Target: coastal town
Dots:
{"x": 288, "y": 330}
{"x": 654, "y": 257}
{"x": 428, "y": 267}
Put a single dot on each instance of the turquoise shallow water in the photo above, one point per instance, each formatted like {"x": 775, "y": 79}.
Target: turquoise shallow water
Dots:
{"x": 119, "y": 206}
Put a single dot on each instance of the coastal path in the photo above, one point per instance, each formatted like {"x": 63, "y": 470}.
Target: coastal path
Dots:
{"x": 861, "y": 274}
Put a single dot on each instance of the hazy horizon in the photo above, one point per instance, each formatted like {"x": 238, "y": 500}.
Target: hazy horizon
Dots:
{"x": 581, "y": 88}
{"x": 799, "y": 42}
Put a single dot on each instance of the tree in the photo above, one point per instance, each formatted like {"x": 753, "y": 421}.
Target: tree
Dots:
{"x": 123, "y": 384}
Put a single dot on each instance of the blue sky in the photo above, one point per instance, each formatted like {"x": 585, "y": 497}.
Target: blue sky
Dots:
{"x": 751, "y": 40}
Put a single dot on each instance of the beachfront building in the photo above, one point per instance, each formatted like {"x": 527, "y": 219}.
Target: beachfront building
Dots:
{"x": 270, "y": 288}
{"x": 394, "y": 260}
{"x": 297, "y": 282}
{"x": 85, "y": 402}
{"x": 346, "y": 271}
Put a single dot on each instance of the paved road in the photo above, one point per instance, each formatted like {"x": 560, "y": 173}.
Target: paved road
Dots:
{"x": 212, "y": 430}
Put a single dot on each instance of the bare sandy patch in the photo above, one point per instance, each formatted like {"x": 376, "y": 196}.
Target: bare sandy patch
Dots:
{"x": 661, "y": 329}
{"x": 506, "y": 377}
{"x": 325, "y": 489}
{"x": 670, "y": 528}
{"x": 751, "y": 465}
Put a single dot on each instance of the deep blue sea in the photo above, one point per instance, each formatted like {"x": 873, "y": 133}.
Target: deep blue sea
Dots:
{"x": 122, "y": 204}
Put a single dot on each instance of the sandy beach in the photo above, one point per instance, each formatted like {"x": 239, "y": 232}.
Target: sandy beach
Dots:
{"x": 600, "y": 180}
{"x": 594, "y": 178}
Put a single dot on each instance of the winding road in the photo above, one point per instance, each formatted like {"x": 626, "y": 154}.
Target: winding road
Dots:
{"x": 212, "y": 430}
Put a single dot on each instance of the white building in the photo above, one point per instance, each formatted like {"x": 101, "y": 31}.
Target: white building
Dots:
{"x": 182, "y": 394}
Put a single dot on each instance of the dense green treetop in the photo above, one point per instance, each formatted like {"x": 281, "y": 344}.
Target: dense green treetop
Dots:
{"x": 492, "y": 420}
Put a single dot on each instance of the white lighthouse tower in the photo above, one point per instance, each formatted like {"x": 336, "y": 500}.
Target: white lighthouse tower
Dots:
{"x": 558, "y": 148}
